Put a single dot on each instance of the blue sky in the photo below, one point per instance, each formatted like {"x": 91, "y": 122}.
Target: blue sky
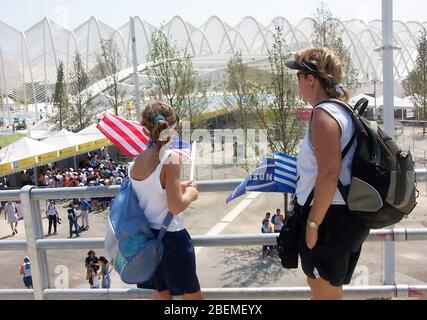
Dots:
{"x": 21, "y": 14}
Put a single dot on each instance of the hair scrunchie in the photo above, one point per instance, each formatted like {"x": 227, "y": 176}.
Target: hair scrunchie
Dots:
{"x": 339, "y": 88}
{"x": 158, "y": 118}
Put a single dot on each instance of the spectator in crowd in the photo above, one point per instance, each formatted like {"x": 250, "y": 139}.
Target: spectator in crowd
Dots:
{"x": 90, "y": 260}
{"x": 52, "y": 215}
{"x": 84, "y": 213}
{"x": 93, "y": 276}
{"x": 25, "y": 270}
{"x": 2, "y": 204}
{"x": 105, "y": 273}
{"x": 266, "y": 228}
{"x": 19, "y": 210}
{"x": 72, "y": 219}
{"x": 12, "y": 216}
{"x": 277, "y": 221}
{"x": 267, "y": 217}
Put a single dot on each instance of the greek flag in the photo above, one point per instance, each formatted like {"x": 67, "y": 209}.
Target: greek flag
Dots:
{"x": 285, "y": 170}
{"x": 276, "y": 174}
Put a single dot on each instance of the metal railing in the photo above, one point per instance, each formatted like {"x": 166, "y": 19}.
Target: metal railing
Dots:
{"x": 37, "y": 246}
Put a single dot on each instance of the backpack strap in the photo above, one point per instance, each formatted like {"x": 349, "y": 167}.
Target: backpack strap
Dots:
{"x": 343, "y": 189}
{"x": 165, "y": 226}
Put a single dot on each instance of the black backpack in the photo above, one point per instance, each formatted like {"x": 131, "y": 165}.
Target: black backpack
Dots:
{"x": 383, "y": 185}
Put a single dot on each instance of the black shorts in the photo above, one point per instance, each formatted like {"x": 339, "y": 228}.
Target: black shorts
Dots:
{"x": 338, "y": 247}
{"x": 177, "y": 269}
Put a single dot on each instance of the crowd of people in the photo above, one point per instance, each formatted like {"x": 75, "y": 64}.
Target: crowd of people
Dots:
{"x": 96, "y": 171}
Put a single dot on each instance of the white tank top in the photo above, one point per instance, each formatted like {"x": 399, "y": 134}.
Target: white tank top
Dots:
{"x": 152, "y": 198}
{"x": 27, "y": 269}
{"x": 306, "y": 162}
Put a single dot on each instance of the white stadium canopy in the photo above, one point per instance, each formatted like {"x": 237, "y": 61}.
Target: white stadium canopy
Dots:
{"x": 31, "y": 57}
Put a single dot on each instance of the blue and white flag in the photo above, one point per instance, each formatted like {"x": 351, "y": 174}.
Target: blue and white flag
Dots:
{"x": 178, "y": 145}
{"x": 263, "y": 178}
{"x": 285, "y": 170}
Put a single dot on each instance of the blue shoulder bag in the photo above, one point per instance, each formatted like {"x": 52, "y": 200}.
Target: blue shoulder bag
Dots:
{"x": 132, "y": 247}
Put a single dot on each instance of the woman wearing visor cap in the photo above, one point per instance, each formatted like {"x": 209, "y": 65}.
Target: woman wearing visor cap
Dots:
{"x": 330, "y": 241}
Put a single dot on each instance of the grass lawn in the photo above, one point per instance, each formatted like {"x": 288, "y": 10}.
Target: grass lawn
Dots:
{"x": 8, "y": 139}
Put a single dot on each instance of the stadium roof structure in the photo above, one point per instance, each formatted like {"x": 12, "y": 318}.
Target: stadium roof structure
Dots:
{"x": 29, "y": 59}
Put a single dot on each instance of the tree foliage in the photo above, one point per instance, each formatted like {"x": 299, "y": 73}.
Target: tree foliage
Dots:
{"x": 81, "y": 109}
{"x": 109, "y": 63}
{"x": 60, "y": 99}
{"x": 415, "y": 85}
{"x": 328, "y": 33}
{"x": 277, "y": 105}
{"x": 240, "y": 86}
{"x": 172, "y": 78}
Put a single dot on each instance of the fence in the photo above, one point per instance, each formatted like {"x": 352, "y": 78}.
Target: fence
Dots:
{"x": 37, "y": 247}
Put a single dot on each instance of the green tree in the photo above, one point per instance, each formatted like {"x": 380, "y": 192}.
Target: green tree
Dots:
{"x": 241, "y": 87}
{"x": 277, "y": 104}
{"x": 191, "y": 93}
{"x": 81, "y": 109}
{"x": 109, "y": 63}
{"x": 172, "y": 78}
{"x": 164, "y": 74}
{"x": 328, "y": 33}
{"x": 415, "y": 85}
{"x": 60, "y": 99}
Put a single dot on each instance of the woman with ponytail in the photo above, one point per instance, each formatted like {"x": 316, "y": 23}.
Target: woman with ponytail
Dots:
{"x": 156, "y": 178}
{"x": 331, "y": 240}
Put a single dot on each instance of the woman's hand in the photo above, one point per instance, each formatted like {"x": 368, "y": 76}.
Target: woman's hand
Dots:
{"x": 186, "y": 184}
{"x": 194, "y": 193}
{"x": 310, "y": 237}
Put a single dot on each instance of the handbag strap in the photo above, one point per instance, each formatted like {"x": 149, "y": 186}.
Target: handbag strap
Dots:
{"x": 165, "y": 226}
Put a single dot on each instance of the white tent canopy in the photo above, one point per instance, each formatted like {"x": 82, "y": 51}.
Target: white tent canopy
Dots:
{"x": 91, "y": 133}
{"x": 24, "y": 148}
{"x": 64, "y": 139}
{"x": 92, "y": 129}
{"x": 399, "y": 103}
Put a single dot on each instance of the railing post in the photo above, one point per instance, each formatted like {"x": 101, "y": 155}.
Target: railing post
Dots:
{"x": 34, "y": 231}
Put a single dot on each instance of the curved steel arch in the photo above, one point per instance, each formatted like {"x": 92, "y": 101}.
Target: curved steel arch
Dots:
{"x": 238, "y": 34}
{"x": 186, "y": 30}
{"x": 400, "y": 42}
{"x": 24, "y": 40}
{"x": 352, "y": 43}
{"x": 123, "y": 45}
{"x": 203, "y": 39}
{"x": 291, "y": 27}
{"x": 377, "y": 41}
{"x": 223, "y": 27}
{"x": 258, "y": 26}
{"x": 303, "y": 20}
{"x": 143, "y": 28}
{"x": 68, "y": 52}
{"x": 46, "y": 20}
{"x": 87, "y": 38}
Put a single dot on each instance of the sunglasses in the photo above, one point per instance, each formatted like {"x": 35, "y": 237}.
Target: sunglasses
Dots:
{"x": 300, "y": 73}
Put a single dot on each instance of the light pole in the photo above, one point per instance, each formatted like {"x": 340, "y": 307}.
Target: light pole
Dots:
{"x": 388, "y": 114}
